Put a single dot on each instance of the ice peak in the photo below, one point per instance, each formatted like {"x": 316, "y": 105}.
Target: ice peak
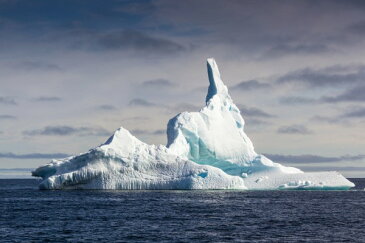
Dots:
{"x": 216, "y": 85}
{"x": 121, "y": 137}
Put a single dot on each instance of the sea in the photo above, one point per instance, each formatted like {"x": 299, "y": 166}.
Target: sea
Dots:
{"x": 28, "y": 214}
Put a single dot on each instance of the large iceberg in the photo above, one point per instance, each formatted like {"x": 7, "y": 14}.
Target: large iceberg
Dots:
{"x": 206, "y": 150}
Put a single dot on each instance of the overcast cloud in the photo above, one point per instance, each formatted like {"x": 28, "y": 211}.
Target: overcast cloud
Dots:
{"x": 74, "y": 71}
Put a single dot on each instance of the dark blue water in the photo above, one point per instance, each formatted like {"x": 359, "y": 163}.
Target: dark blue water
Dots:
{"x": 30, "y": 215}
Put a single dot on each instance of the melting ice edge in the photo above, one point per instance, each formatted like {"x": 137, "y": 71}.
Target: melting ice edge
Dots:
{"x": 206, "y": 150}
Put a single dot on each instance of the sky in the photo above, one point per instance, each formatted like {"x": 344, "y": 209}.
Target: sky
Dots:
{"x": 72, "y": 72}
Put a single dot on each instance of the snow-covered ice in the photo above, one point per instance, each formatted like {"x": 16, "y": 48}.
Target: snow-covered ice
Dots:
{"x": 206, "y": 150}
{"x": 124, "y": 162}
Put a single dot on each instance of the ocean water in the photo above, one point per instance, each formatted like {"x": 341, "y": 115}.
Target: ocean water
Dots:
{"x": 31, "y": 215}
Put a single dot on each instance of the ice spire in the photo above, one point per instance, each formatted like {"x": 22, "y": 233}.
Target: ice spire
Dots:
{"x": 216, "y": 85}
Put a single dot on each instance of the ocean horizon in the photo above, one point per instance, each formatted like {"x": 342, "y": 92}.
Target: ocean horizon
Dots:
{"x": 33, "y": 215}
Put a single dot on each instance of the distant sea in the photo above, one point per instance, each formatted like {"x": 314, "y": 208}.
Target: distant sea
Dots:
{"x": 31, "y": 215}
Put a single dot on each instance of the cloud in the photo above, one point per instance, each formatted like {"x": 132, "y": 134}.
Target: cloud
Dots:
{"x": 184, "y": 107}
{"x": 352, "y": 95}
{"x": 253, "y": 112}
{"x": 296, "y": 100}
{"x": 106, "y": 107}
{"x": 158, "y": 83}
{"x": 357, "y": 28}
{"x": 333, "y": 75}
{"x": 169, "y": 108}
{"x": 250, "y": 85}
{"x": 7, "y": 117}
{"x": 355, "y": 113}
{"x": 290, "y": 49}
{"x": 255, "y": 122}
{"x": 147, "y": 132}
{"x": 355, "y": 94}
{"x": 180, "y": 107}
{"x": 136, "y": 118}
{"x": 141, "y": 102}
{"x": 33, "y": 156}
{"x": 309, "y": 158}
{"x": 66, "y": 131}
{"x": 47, "y": 99}
{"x": 294, "y": 129}
{"x": 344, "y": 118}
{"x": 332, "y": 120}
{"x": 36, "y": 65}
{"x": 138, "y": 41}
{"x": 253, "y": 27}
{"x": 139, "y": 132}
{"x": 159, "y": 132}
{"x": 7, "y": 100}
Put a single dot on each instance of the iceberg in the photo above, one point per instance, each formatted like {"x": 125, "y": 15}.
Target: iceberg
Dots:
{"x": 207, "y": 149}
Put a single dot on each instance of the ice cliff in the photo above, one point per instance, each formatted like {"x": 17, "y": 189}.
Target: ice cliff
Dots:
{"x": 206, "y": 150}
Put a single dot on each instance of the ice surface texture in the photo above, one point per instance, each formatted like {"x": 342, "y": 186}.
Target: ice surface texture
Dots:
{"x": 206, "y": 150}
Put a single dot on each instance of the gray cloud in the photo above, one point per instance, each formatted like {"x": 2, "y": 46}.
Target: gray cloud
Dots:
{"x": 296, "y": 100}
{"x": 357, "y": 28}
{"x": 138, "y": 41}
{"x": 169, "y": 108}
{"x": 253, "y": 112}
{"x": 253, "y": 27}
{"x": 66, "y": 131}
{"x": 254, "y": 122}
{"x": 158, "y": 83}
{"x": 184, "y": 107}
{"x": 147, "y": 132}
{"x": 180, "y": 107}
{"x": 284, "y": 28}
{"x": 332, "y": 120}
{"x": 159, "y": 132}
{"x": 357, "y": 112}
{"x": 309, "y": 158}
{"x": 7, "y": 100}
{"x": 294, "y": 129}
{"x": 338, "y": 75}
{"x": 33, "y": 156}
{"x": 344, "y": 118}
{"x": 139, "y": 132}
{"x": 290, "y": 49}
{"x": 250, "y": 85}
{"x": 141, "y": 102}
{"x": 335, "y": 75}
{"x": 7, "y": 117}
{"x": 352, "y": 95}
{"x": 36, "y": 65}
{"x": 47, "y": 99}
{"x": 355, "y": 94}
{"x": 106, "y": 107}
{"x": 117, "y": 39}
{"x": 136, "y": 118}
